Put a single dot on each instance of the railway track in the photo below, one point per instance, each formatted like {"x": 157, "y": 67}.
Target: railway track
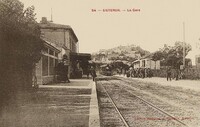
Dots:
{"x": 116, "y": 108}
{"x": 182, "y": 104}
{"x": 153, "y": 110}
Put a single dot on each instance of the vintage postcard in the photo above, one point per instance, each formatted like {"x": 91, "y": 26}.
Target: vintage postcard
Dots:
{"x": 99, "y": 63}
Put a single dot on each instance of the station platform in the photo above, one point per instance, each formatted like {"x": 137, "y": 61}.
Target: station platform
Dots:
{"x": 71, "y": 104}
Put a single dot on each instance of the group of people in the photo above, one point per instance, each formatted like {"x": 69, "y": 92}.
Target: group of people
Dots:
{"x": 174, "y": 73}
{"x": 138, "y": 72}
{"x": 62, "y": 72}
{"x": 90, "y": 70}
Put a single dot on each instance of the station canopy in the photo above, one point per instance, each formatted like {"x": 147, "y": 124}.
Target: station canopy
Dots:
{"x": 80, "y": 56}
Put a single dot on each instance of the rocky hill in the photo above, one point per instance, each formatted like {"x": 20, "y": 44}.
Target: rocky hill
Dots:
{"x": 127, "y": 53}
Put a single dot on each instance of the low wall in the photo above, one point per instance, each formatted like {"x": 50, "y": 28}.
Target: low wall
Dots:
{"x": 192, "y": 73}
{"x": 189, "y": 73}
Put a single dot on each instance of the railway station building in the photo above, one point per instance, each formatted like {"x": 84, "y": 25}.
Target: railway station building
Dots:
{"x": 147, "y": 62}
{"x": 60, "y": 41}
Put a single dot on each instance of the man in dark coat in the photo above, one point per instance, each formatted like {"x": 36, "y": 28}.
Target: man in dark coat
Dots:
{"x": 169, "y": 73}
{"x": 93, "y": 73}
{"x": 62, "y": 72}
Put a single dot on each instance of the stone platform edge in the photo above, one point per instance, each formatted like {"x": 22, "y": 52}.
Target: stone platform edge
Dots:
{"x": 94, "y": 119}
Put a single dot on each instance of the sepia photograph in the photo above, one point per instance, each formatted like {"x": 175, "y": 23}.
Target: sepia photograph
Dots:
{"x": 99, "y": 63}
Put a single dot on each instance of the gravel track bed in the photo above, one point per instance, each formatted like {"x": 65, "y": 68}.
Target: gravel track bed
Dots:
{"x": 108, "y": 114}
{"x": 134, "y": 110}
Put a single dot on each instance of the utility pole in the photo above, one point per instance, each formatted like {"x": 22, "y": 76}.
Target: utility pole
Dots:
{"x": 51, "y": 16}
{"x": 183, "y": 45}
{"x": 198, "y": 44}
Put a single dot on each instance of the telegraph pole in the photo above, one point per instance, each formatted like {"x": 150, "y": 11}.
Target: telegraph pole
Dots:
{"x": 51, "y": 15}
{"x": 183, "y": 44}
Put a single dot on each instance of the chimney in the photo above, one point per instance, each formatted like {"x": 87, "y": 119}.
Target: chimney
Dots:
{"x": 44, "y": 20}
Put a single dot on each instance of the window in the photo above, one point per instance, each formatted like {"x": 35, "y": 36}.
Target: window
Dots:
{"x": 70, "y": 43}
{"x": 51, "y": 52}
{"x": 56, "y": 54}
{"x": 51, "y": 66}
{"x": 56, "y": 62}
{"x": 44, "y": 66}
{"x": 143, "y": 63}
{"x": 198, "y": 59}
{"x": 45, "y": 50}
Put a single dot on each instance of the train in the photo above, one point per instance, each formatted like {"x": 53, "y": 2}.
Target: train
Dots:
{"x": 106, "y": 70}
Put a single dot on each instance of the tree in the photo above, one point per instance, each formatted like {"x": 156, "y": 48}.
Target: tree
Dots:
{"x": 20, "y": 45}
{"x": 172, "y": 56}
{"x": 140, "y": 51}
{"x": 158, "y": 56}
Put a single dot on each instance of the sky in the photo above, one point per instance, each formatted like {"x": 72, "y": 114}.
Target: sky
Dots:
{"x": 157, "y": 23}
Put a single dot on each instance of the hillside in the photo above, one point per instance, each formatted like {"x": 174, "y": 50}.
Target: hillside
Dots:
{"x": 128, "y": 53}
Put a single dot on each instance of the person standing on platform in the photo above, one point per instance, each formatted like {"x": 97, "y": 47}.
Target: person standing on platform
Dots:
{"x": 65, "y": 73}
{"x": 62, "y": 71}
{"x": 88, "y": 72}
{"x": 93, "y": 73}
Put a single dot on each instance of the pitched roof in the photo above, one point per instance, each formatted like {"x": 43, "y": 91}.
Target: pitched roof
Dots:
{"x": 54, "y": 25}
{"x": 148, "y": 56}
{"x": 50, "y": 25}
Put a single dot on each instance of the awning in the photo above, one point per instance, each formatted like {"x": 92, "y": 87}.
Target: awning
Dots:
{"x": 80, "y": 56}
